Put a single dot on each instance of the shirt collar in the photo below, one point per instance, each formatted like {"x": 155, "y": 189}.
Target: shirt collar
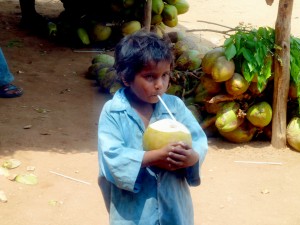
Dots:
{"x": 121, "y": 103}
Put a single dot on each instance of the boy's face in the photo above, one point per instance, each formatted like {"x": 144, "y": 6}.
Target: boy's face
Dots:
{"x": 153, "y": 80}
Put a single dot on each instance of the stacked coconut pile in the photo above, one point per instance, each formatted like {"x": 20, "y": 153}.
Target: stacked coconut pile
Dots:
{"x": 105, "y": 22}
{"x": 227, "y": 97}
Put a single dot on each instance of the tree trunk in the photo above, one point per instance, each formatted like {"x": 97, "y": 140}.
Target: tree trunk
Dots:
{"x": 282, "y": 73}
{"x": 147, "y": 17}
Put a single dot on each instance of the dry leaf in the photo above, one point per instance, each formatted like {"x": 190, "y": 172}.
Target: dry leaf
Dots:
{"x": 3, "y": 197}
{"x": 4, "y": 172}
{"x": 30, "y": 179}
{"x": 11, "y": 163}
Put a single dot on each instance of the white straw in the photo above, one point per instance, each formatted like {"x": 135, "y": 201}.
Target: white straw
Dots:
{"x": 166, "y": 107}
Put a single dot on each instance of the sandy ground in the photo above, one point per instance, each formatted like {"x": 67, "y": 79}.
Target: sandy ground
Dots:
{"x": 61, "y": 109}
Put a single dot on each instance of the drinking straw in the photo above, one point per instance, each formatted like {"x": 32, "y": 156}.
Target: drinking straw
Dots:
{"x": 166, "y": 107}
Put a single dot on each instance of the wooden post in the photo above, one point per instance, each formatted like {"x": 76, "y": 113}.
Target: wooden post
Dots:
{"x": 282, "y": 73}
{"x": 147, "y": 18}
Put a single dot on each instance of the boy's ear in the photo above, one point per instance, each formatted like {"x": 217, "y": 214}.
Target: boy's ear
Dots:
{"x": 125, "y": 82}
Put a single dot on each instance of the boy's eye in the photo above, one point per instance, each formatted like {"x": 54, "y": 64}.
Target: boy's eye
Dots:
{"x": 166, "y": 74}
{"x": 149, "y": 77}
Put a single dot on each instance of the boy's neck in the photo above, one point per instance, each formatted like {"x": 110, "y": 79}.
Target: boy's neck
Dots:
{"x": 143, "y": 109}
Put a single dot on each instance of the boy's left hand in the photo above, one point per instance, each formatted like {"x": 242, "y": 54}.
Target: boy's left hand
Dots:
{"x": 182, "y": 156}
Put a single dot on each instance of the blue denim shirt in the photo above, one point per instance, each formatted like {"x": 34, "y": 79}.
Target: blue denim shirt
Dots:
{"x": 144, "y": 196}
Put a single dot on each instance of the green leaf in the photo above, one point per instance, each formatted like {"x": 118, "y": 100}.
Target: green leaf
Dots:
{"x": 230, "y": 51}
{"x": 248, "y": 55}
{"x": 228, "y": 42}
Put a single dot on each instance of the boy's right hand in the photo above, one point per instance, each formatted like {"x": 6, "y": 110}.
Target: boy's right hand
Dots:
{"x": 171, "y": 157}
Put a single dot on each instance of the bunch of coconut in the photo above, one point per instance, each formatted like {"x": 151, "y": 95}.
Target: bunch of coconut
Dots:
{"x": 102, "y": 71}
{"x": 109, "y": 20}
{"x": 233, "y": 108}
{"x": 167, "y": 11}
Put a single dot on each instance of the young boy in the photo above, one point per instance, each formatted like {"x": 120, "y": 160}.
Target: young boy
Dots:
{"x": 146, "y": 187}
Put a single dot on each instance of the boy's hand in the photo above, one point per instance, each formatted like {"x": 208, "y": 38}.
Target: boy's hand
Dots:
{"x": 171, "y": 157}
{"x": 181, "y": 156}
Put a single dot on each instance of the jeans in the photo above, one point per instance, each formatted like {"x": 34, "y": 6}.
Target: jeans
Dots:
{"x": 6, "y": 76}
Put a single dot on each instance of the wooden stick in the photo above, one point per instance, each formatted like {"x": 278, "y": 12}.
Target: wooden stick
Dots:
{"x": 255, "y": 162}
{"x": 71, "y": 178}
{"x": 147, "y": 16}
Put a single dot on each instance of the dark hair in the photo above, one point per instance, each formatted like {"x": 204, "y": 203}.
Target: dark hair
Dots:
{"x": 137, "y": 50}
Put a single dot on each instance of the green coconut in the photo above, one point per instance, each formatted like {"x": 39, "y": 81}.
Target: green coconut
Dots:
{"x": 156, "y": 19}
{"x": 104, "y": 59}
{"x": 116, "y": 85}
{"x": 169, "y": 12}
{"x": 189, "y": 60}
{"x": 260, "y": 114}
{"x": 101, "y": 74}
{"x": 227, "y": 117}
{"x": 83, "y": 36}
{"x": 182, "y": 6}
{"x": 106, "y": 81}
{"x": 183, "y": 45}
{"x": 157, "y": 6}
{"x": 164, "y": 132}
{"x": 293, "y": 133}
{"x": 243, "y": 133}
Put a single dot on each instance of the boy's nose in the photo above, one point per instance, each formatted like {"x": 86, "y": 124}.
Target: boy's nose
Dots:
{"x": 158, "y": 84}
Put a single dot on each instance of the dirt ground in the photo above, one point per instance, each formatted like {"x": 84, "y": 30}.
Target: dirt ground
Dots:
{"x": 60, "y": 109}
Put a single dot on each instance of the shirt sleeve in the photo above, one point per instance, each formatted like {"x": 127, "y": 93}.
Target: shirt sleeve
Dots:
{"x": 119, "y": 164}
{"x": 199, "y": 141}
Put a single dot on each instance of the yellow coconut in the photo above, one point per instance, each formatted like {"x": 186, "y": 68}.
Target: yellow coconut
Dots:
{"x": 171, "y": 23}
{"x": 131, "y": 27}
{"x": 210, "y": 57}
{"x": 101, "y": 32}
{"x": 222, "y": 69}
{"x": 260, "y": 114}
{"x": 164, "y": 132}
{"x": 228, "y": 118}
{"x": 236, "y": 85}
{"x": 293, "y": 133}
{"x": 156, "y": 19}
{"x": 243, "y": 133}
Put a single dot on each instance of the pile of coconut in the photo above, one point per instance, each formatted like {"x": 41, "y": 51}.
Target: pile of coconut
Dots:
{"x": 103, "y": 23}
{"x": 221, "y": 99}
